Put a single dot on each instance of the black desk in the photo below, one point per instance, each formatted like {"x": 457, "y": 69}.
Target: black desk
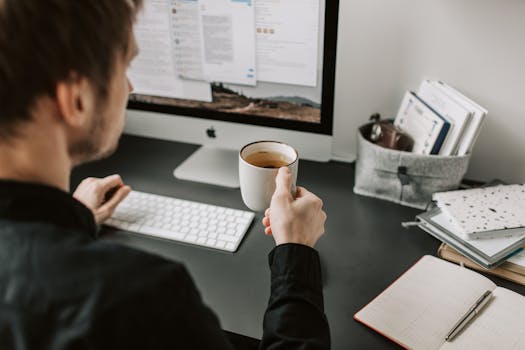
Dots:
{"x": 363, "y": 251}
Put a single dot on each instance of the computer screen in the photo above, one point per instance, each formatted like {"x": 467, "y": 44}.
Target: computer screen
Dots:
{"x": 268, "y": 63}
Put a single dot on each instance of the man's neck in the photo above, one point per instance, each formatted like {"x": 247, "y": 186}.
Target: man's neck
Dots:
{"x": 39, "y": 155}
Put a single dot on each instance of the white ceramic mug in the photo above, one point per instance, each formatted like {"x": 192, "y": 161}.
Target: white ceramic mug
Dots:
{"x": 257, "y": 182}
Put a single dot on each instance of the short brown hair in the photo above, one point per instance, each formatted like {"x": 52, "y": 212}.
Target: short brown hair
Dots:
{"x": 43, "y": 42}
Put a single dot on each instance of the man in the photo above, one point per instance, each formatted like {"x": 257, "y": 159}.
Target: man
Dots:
{"x": 63, "y": 93}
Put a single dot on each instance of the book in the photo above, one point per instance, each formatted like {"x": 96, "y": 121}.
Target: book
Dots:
{"x": 451, "y": 110}
{"x": 488, "y": 252}
{"x": 422, "y": 306}
{"x": 479, "y": 210}
{"x": 512, "y": 269}
{"x": 473, "y": 129}
{"x": 427, "y": 128}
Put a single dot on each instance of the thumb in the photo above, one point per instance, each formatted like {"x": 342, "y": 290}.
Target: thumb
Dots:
{"x": 283, "y": 181}
{"x": 107, "y": 209}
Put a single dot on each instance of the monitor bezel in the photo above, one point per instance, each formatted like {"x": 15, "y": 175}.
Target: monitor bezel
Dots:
{"x": 327, "y": 100}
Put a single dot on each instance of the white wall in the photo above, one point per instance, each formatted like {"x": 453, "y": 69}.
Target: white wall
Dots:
{"x": 477, "y": 46}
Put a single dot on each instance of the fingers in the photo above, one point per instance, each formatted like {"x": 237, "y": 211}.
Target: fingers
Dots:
{"x": 323, "y": 219}
{"x": 107, "y": 209}
{"x": 266, "y": 222}
{"x": 266, "y": 219}
{"x": 302, "y": 192}
{"x": 305, "y": 195}
{"x": 283, "y": 182}
{"x": 110, "y": 182}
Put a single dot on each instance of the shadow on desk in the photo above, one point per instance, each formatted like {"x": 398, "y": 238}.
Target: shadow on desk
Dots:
{"x": 241, "y": 342}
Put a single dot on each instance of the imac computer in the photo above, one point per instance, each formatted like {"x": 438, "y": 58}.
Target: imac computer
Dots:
{"x": 224, "y": 73}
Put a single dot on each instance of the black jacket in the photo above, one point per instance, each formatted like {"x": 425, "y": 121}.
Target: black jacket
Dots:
{"x": 60, "y": 288}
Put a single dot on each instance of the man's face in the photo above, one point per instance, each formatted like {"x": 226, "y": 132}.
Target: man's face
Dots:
{"x": 107, "y": 123}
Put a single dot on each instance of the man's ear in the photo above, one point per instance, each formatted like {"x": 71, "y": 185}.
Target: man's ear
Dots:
{"x": 75, "y": 100}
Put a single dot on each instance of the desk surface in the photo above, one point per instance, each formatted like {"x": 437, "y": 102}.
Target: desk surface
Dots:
{"x": 363, "y": 251}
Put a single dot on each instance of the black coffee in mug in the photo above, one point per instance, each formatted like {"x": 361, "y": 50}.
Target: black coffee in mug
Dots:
{"x": 270, "y": 160}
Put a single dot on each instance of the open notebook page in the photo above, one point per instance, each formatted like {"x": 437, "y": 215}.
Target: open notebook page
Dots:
{"x": 420, "y": 308}
{"x": 500, "y": 325}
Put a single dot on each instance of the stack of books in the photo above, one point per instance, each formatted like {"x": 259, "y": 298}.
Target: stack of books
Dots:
{"x": 513, "y": 269}
{"x": 485, "y": 225}
{"x": 440, "y": 120}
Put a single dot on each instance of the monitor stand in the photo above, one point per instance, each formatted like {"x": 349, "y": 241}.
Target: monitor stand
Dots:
{"x": 211, "y": 165}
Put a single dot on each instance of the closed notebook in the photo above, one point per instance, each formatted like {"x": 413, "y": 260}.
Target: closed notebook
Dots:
{"x": 421, "y": 307}
{"x": 512, "y": 270}
{"x": 427, "y": 128}
{"x": 451, "y": 110}
{"x": 473, "y": 129}
{"x": 484, "y": 209}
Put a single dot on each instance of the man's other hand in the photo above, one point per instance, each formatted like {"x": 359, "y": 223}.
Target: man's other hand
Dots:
{"x": 288, "y": 220}
{"x": 102, "y": 195}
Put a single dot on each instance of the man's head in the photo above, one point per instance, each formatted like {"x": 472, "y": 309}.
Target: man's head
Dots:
{"x": 72, "y": 57}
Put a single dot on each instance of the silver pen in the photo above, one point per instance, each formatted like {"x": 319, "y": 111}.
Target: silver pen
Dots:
{"x": 473, "y": 311}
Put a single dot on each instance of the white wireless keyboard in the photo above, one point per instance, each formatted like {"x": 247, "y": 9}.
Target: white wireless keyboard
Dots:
{"x": 180, "y": 220}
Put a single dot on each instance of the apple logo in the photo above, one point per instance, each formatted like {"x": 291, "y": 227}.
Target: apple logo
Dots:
{"x": 211, "y": 133}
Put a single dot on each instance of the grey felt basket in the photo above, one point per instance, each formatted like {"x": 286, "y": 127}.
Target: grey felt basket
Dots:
{"x": 402, "y": 177}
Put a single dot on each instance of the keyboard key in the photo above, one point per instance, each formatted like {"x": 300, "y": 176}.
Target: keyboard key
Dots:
{"x": 154, "y": 231}
{"x": 191, "y": 238}
{"x": 228, "y": 238}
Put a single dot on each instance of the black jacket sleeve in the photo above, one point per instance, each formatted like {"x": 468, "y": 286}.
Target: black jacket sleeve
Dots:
{"x": 295, "y": 316}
